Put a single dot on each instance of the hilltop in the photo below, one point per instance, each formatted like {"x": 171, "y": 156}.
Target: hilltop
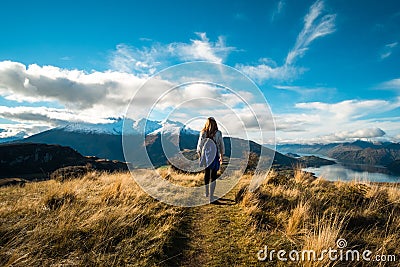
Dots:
{"x": 107, "y": 220}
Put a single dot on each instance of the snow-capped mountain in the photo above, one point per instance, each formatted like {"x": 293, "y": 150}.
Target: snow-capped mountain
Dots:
{"x": 149, "y": 126}
{"x": 10, "y": 135}
{"x": 114, "y": 128}
{"x": 173, "y": 127}
{"x": 130, "y": 127}
{"x": 104, "y": 140}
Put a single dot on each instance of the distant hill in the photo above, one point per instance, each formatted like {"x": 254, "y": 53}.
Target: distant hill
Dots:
{"x": 394, "y": 166}
{"x": 355, "y": 152}
{"x": 313, "y": 161}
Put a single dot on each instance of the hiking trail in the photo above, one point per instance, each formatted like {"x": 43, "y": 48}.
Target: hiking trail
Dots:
{"x": 220, "y": 235}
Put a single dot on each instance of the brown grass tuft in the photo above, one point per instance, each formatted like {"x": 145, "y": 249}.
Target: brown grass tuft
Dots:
{"x": 299, "y": 215}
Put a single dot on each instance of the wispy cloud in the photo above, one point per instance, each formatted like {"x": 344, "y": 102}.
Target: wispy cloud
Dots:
{"x": 202, "y": 49}
{"x": 66, "y": 58}
{"x": 130, "y": 59}
{"x": 316, "y": 24}
{"x": 278, "y": 9}
{"x": 147, "y": 60}
{"x": 240, "y": 16}
{"x": 393, "y": 84}
{"x": 266, "y": 71}
{"x": 387, "y": 50}
{"x": 302, "y": 90}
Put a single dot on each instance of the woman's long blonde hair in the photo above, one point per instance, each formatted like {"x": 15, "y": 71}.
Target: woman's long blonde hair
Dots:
{"x": 210, "y": 128}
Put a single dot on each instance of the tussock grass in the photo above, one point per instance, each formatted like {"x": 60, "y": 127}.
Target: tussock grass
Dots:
{"x": 306, "y": 213}
{"x": 297, "y": 219}
{"x": 302, "y": 177}
{"x": 181, "y": 178}
{"x": 99, "y": 220}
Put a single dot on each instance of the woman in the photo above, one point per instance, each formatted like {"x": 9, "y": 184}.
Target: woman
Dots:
{"x": 210, "y": 148}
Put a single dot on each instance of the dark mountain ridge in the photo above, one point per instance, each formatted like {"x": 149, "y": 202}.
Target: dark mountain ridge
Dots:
{"x": 40, "y": 160}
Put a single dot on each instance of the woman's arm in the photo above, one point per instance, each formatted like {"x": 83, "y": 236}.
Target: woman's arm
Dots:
{"x": 199, "y": 143}
{"x": 221, "y": 147}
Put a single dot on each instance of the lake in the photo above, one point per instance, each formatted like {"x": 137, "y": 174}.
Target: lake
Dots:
{"x": 349, "y": 172}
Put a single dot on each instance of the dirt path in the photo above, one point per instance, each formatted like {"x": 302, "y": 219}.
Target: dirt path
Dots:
{"x": 220, "y": 235}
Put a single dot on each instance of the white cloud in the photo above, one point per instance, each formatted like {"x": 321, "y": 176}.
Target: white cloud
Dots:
{"x": 351, "y": 109}
{"x": 108, "y": 92}
{"x": 342, "y": 136}
{"x": 20, "y": 130}
{"x": 387, "y": 50}
{"x": 46, "y": 116}
{"x": 318, "y": 122}
{"x": 294, "y": 122}
{"x": 364, "y": 133}
{"x": 316, "y": 25}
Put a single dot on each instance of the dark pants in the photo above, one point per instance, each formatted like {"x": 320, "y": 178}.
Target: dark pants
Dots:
{"x": 210, "y": 174}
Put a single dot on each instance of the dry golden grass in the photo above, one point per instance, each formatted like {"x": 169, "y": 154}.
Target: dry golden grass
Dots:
{"x": 99, "y": 220}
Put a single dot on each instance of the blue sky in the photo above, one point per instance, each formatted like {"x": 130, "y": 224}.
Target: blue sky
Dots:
{"x": 329, "y": 69}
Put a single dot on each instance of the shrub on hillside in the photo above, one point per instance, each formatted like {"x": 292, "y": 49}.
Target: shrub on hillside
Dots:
{"x": 70, "y": 172}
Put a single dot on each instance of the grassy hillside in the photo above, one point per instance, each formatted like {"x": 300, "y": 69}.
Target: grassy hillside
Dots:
{"x": 107, "y": 220}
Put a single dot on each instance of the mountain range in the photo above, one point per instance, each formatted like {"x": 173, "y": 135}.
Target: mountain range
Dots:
{"x": 105, "y": 141}
{"x": 360, "y": 152}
